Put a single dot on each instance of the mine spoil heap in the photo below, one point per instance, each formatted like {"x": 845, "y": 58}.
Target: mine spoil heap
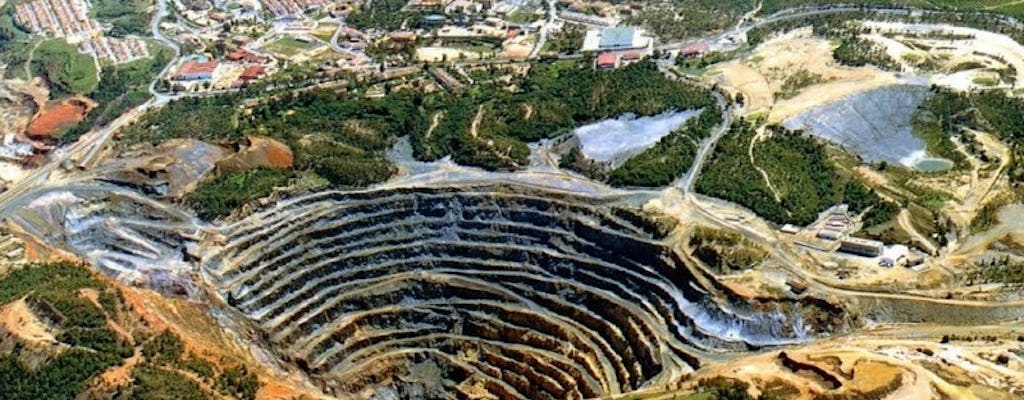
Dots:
{"x": 499, "y": 291}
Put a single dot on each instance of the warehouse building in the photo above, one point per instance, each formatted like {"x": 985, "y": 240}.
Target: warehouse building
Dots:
{"x": 619, "y": 40}
{"x": 861, "y": 247}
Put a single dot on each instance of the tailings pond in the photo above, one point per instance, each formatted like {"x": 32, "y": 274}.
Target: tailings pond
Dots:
{"x": 875, "y": 125}
{"x": 617, "y": 139}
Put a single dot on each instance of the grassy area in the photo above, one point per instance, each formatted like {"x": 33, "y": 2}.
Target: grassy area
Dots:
{"x": 985, "y": 81}
{"x": 126, "y": 17}
{"x": 325, "y": 31}
{"x": 288, "y": 46}
{"x": 67, "y": 70}
{"x": 122, "y": 87}
{"x": 797, "y": 82}
{"x": 524, "y": 15}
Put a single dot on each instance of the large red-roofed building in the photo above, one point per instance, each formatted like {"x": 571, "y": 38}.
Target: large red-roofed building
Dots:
{"x": 195, "y": 70}
{"x": 607, "y": 60}
{"x": 240, "y": 55}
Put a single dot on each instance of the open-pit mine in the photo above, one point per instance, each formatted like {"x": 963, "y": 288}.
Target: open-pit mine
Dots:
{"x": 519, "y": 292}
{"x": 819, "y": 204}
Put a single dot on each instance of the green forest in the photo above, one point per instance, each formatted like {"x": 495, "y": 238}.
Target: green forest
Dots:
{"x": 126, "y": 17}
{"x": 802, "y": 176}
{"x": 386, "y": 15}
{"x": 54, "y": 292}
{"x": 675, "y": 19}
{"x": 554, "y": 99}
{"x": 836, "y": 25}
{"x": 991, "y": 111}
{"x": 858, "y": 52}
{"x": 670, "y": 158}
{"x": 344, "y": 138}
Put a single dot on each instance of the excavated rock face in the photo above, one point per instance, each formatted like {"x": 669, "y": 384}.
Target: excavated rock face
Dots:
{"x": 486, "y": 292}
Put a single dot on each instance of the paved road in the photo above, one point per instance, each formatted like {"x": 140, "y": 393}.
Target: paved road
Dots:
{"x": 707, "y": 146}
{"x": 544, "y": 30}
{"x": 356, "y": 55}
{"x": 161, "y": 13}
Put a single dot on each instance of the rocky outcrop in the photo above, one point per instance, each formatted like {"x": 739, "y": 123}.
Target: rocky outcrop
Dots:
{"x": 169, "y": 169}
{"x": 257, "y": 151}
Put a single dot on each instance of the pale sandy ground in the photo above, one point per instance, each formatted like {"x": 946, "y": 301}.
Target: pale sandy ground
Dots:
{"x": 20, "y": 321}
{"x": 980, "y": 48}
{"x": 871, "y": 363}
{"x": 762, "y": 75}
{"x": 437, "y": 54}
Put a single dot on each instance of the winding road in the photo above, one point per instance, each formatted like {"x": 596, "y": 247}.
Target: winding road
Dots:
{"x": 545, "y": 30}
{"x": 161, "y": 13}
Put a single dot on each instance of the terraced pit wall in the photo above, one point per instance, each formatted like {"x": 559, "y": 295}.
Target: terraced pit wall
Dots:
{"x": 502, "y": 290}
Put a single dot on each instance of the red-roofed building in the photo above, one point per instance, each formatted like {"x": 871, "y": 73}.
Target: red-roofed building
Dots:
{"x": 240, "y": 55}
{"x": 403, "y": 36}
{"x": 195, "y": 70}
{"x": 252, "y": 72}
{"x": 632, "y": 56}
{"x": 607, "y": 60}
{"x": 694, "y": 50}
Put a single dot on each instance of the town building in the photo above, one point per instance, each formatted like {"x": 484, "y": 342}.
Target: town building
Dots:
{"x": 620, "y": 40}
{"x": 608, "y": 60}
{"x": 244, "y": 56}
{"x": 829, "y": 234}
{"x": 694, "y": 50}
{"x": 790, "y": 229}
{"x": 195, "y": 70}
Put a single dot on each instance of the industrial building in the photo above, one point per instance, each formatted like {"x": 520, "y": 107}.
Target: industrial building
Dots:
{"x": 861, "y": 247}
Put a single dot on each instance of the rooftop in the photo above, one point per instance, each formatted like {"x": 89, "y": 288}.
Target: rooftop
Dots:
{"x": 607, "y": 59}
{"x": 618, "y": 37}
{"x": 195, "y": 67}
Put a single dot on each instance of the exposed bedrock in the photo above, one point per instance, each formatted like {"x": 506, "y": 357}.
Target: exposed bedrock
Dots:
{"x": 502, "y": 290}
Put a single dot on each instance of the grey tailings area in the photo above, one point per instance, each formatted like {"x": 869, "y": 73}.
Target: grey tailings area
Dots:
{"x": 875, "y": 125}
